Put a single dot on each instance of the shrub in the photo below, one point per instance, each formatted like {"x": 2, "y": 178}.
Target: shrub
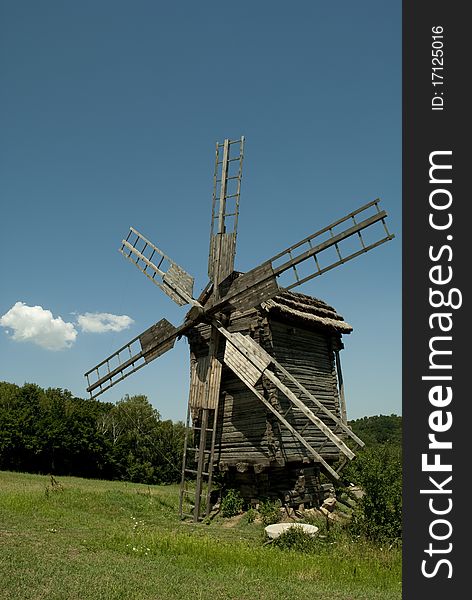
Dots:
{"x": 270, "y": 512}
{"x": 251, "y": 515}
{"x": 231, "y": 504}
{"x": 296, "y": 539}
{"x": 378, "y": 515}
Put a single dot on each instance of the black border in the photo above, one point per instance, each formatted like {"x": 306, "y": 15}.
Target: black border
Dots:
{"x": 425, "y": 131}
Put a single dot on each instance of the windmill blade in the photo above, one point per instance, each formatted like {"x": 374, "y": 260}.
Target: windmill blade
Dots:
{"x": 134, "y": 355}
{"x": 250, "y": 362}
{"x": 260, "y": 283}
{"x": 158, "y": 267}
{"x": 225, "y": 209}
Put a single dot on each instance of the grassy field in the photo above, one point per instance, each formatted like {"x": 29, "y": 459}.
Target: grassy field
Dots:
{"x": 107, "y": 540}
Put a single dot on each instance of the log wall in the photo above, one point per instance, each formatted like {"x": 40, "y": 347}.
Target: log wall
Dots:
{"x": 252, "y": 445}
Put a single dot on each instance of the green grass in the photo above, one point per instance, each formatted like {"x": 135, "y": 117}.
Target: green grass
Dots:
{"x": 112, "y": 540}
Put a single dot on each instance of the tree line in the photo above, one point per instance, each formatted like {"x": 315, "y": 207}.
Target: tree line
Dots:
{"x": 379, "y": 429}
{"x": 51, "y": 431}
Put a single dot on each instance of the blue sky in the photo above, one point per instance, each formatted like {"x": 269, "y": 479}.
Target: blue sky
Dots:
{"x": 109, "y": 116}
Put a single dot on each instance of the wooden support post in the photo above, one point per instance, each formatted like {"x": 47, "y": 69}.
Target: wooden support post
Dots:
{"x": 342, "y": 399}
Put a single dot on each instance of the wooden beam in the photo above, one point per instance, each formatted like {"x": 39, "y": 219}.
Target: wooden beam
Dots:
{"x": 292, "y": 430}
{"x": 342, "y": 399}
{"x": 339, "y": 422}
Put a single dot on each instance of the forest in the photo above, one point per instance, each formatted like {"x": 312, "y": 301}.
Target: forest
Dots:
{"x": 51, "y": 431}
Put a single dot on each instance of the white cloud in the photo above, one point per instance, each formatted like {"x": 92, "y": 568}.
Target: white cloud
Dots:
{"x": 101, "y": 322}
{"x": 37, "y": 325}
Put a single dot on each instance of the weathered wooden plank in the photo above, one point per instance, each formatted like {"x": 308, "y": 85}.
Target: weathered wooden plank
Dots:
{"x": 339, "y": 422}
{"x": 178, "y": 278}
{"x": 156, "y": 340}
{"x": 260, "y": 281}
{"x": 204, "y": 382}
{"x": 245, "y": 357}
{"x": 222, "y": 252}
{"x": 245, "y": 370}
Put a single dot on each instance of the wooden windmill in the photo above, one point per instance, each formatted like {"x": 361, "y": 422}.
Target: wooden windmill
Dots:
{"x": 266, "y": 399}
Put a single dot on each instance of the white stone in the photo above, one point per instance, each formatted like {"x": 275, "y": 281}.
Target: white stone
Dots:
{"x": 329, "y": 503}
{"x": 273, "y": 531}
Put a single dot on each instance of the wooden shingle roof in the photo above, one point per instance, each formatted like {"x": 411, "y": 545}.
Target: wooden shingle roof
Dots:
{"x": 306, "y": 310}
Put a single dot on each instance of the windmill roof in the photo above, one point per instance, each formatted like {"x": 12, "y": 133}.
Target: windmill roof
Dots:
{"x": 306, "y": 309}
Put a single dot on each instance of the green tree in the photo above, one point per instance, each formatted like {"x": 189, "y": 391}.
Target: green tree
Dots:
{"x": 144, "y": 448}
{"x": 50, "y": 431}
{"x": 20, "y": 413}
{"x": 378, "y": 470}
{"x": 170, "y": 445}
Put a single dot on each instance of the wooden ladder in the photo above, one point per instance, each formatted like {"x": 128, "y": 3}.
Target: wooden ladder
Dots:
{"x": 198, "y": 465}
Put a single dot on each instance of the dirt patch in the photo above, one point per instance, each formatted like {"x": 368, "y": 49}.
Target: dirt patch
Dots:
{"x": 233, "y": 521}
